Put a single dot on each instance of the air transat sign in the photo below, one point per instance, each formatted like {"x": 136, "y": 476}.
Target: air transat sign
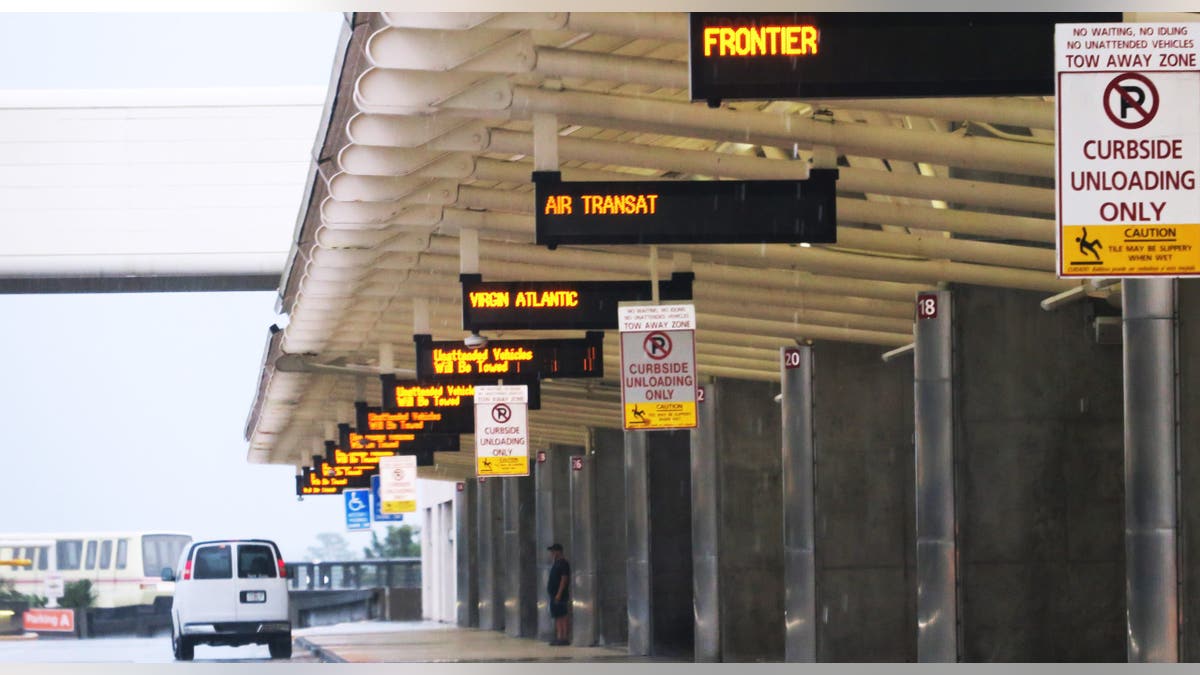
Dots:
{"x": 1128, "y": 141}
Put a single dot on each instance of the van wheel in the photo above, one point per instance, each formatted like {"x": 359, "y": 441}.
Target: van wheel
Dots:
{"x": 281, "y": 648}
{"x": 185, "y": 649}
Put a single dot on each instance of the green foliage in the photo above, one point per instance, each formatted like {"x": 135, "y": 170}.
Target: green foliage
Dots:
{"x": 9, "y": 593}
{"x": 331, "y": 546}
{"x": 78, "y": 595}
{"x": 399, "y": 542}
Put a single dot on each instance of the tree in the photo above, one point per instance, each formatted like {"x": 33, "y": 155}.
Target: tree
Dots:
{"x": 9, "y": 593}
{"x": 330, "y": 546}
{"x": 399, "y": 542}
{"x": 78, "y": 595}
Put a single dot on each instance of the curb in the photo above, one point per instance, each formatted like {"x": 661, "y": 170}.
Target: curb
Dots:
{"x": 325, "y": 655}
{"x": 22, "y": 636}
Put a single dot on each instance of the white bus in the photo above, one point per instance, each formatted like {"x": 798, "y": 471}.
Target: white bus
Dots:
{"x": 125, "y": 568}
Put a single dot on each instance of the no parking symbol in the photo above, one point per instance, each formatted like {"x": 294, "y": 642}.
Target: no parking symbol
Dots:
{"x": 1131, "y": 100}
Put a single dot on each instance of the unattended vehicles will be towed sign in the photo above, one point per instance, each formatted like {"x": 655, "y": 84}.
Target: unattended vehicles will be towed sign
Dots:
{"x": 1128, "y": 139}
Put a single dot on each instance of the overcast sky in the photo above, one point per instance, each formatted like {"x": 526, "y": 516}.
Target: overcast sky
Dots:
{"x": 127, "y": 411}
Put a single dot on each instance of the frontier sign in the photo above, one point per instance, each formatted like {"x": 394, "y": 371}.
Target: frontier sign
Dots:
{"x": 658, "y": 366}
{"x": 1128, "y": 149}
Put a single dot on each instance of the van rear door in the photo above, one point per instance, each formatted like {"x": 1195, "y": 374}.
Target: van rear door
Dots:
{"x": 262, "y": 590}
{"x": 212, "y": 590}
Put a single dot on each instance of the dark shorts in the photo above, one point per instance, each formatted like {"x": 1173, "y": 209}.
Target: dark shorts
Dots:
{"x": 558, "y": 609}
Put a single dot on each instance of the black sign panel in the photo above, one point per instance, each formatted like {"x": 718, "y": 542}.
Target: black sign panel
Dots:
{"x": 394, "y": 442}
{"x": 514, "y": 361}
{"x": 881, "y": 54}
{"x": 557, "y": 305}
{"x": 451, "y": 403}
{"x": 370, "y": 419}
{"x": 686, "y": 212}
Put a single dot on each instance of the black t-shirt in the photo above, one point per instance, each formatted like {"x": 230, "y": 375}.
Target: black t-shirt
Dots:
{"x": 561, "y": 568}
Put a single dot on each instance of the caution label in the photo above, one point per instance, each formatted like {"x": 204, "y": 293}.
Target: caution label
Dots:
{"x": 401, "y": 506}
{"x": 502, "y": 466}
{"x": 1112, "y": 250}
{"x": 681, "y": 415}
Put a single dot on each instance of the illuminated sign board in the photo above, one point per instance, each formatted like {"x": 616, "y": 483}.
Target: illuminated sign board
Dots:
{"x": 557, "y": 305}
{"x": 393, "y": 442}
{"x": 370, "y": 419}
{"x": 882, "y": 54}
{"x": 452, "y": 402}
{"x": 514, "y": 361}
{"x": 686, "y": 211}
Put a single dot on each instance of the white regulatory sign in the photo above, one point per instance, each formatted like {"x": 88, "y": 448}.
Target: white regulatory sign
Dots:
{"x": 658, "y": 366}
{"x": 1128, "y": 142}
{"x": 398, "y": 484}
{"x": 501, "y": 430}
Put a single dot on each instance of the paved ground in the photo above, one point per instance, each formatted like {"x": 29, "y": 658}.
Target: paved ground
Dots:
{"x": 386, "y": 642}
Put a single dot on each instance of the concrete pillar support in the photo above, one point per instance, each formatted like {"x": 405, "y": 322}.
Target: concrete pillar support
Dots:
{"x": 937, "y": 603}
{"x": 1151, "y": 463}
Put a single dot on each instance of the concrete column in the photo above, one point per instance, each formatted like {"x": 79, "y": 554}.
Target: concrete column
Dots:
{"x": 1039, "y": 480}
{"x": 1188, "y": 336}
{"x": 1151, "y": 463}
{"x": 466, "y": 541}
{"x": 799, "y": 563}
{"x": 862, "y": 412}
{"x": 670, "y": 507}
{"x": 520, "y": 563}
{"x": 937, "y": 573}
{"x": 584, "y": 620}
{"x": 606, "y": 460}
{"x": 706, "y": 518}
{"x": 637, "y": 579}
{"x": 750, "y": 526}
{"x": 491, "y": 539}
{"x": 553, "y": 523}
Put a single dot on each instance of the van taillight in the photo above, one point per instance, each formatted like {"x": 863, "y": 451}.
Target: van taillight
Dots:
{"x": 187, "y": 570}
{"x": 282, "y": 569}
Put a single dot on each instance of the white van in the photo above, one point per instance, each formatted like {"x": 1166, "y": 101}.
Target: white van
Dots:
{"x": 230, "y": 592}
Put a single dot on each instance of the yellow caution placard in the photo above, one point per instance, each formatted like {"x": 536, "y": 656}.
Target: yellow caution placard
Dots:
{"x": 502, "y": 466}
{"x": 1130, "y": 250}
{"x": 677, "y": 415}
{"x": 405, "y": 506}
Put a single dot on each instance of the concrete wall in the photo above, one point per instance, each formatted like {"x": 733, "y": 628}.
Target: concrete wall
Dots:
{"x": 670, "y": 513}
{"x": 1039, "y": 449}
{"x": 608, "y": 461}
{"x": 519, "y": 559}
{"x": 553, "y": 523}
{"x": 1189, "y": 458}
{"x": 865, "y": 529}
{"x": 749, "y": 520}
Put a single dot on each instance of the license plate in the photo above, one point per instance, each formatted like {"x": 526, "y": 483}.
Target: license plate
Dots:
{"x": 254, "y": 596}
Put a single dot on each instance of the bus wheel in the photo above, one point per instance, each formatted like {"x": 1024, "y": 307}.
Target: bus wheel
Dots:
{"x": 185, "y": 649}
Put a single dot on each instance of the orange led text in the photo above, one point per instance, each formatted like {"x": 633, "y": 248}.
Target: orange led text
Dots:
{"x": 760, "y": 41}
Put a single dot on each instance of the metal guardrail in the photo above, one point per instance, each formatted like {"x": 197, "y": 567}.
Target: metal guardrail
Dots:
{"x": 355, "y": 574}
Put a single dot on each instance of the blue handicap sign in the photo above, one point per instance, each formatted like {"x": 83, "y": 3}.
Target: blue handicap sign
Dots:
{"x": 358, "y": 509}
{"x": 379, "y": 515}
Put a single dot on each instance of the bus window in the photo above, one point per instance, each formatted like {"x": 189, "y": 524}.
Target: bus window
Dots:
{"x": 161, "y": 550}
{"x": 44, "y": 558}
{"x": 70, "y": 552}
{"x": 91, "y": 555}
{"x": 105, "y": 554}
{"x": 122, "y": 553}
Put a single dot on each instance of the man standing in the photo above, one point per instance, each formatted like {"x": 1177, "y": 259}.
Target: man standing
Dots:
{"x": 558, "y": 585}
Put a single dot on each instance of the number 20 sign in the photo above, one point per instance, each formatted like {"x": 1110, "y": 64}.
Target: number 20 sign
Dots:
{"x": 927, "y": 306}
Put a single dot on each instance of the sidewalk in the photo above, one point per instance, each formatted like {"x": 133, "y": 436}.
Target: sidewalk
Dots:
{"x": 428, "y": 642}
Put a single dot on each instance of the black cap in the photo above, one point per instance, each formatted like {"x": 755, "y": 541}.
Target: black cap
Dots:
{"x": 554, "y": 547}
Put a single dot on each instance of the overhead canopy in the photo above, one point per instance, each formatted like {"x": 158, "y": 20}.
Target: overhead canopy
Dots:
{"x": 431, "y": 141}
